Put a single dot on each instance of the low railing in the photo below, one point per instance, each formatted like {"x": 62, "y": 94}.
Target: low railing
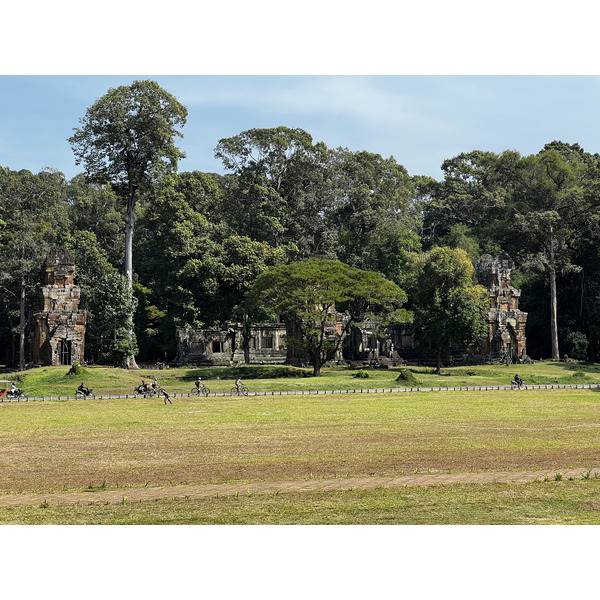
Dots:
{"x": 475, "y": 388}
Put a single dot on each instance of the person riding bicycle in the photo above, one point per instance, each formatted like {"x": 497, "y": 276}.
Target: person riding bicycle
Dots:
{"x": 145, "y": 386}
{"x": 519, "y": 381}
{"x": 83, "y": 390}
{"x": 155, "y": 385}
{"x": 238, "y": 384}
{"x": 199, "y": 383}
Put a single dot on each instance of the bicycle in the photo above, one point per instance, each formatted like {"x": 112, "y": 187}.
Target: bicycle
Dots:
{"x": 242, "y": 391}
{"x": 201, "y": 391}
{"x": 514, "y": 384}
{"x": 85, "y": 394}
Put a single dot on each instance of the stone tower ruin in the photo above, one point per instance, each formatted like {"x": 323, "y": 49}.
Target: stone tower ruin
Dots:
{"x": 506, "y": 323}
{"x": 59, "y": 334}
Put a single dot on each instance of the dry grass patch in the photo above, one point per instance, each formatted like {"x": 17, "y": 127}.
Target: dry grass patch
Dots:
{"x": 72, "y": 445}
{"x": 564, "y": 502}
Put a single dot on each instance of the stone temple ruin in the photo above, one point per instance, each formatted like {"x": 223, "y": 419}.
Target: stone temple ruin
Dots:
{"x": 394, "y": 344}
{"x": 226, "y": 346}
{"x": 506, "y": 323}
{"x": 59, "y": 334}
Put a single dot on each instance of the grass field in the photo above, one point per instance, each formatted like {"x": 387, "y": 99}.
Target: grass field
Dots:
{"x": 550, "y": 503}
{"x": 56, "y": 381}
{"x": 125, "y": 444}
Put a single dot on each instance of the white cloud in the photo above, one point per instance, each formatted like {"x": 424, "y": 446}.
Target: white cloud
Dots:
{"x": 368, "y": 101}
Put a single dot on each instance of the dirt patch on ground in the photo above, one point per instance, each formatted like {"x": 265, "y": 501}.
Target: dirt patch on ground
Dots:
{"x": 271, "y": 487}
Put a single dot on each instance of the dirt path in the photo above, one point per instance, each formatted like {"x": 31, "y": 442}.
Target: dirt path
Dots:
{"x": 133, "y": 494}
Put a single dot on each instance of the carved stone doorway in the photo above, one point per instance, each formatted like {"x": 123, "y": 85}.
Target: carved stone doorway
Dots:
{"x": 64, "y": 352}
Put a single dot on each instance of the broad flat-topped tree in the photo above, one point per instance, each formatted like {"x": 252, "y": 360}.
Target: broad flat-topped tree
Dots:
{"x": 306, "y": 294}
{"x": 127, "y": 138}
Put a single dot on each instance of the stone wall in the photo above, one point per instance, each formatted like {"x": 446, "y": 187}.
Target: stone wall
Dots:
{"x": 372, "y": 342}
{"x": 334, "y": 329}
{"x": 266, "y": 345}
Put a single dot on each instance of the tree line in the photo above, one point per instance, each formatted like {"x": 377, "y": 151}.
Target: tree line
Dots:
{"x": 193, "y": 243}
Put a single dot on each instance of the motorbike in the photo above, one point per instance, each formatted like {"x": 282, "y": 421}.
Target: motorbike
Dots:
{"x": 517, "y": 384}
{"x": 145, "y": 390}
{"x": 9, "y": 390}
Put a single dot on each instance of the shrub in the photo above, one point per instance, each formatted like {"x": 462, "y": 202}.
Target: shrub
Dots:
{"x": 576, "y": 345}
{"x": 407, "y": 376}
{"x": 249, "y": 372}
{"x": 76, "y": 370}
{"x": 362, "y": 374}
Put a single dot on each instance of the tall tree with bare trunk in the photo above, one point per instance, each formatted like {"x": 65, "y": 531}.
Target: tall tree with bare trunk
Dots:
{"x": 127, "y": 137}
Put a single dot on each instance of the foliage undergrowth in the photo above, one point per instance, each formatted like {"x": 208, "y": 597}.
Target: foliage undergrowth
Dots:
{"x": 407, "y": 377}
{"x": 76, "y": 371}
{"x": 250, "y": 372}
{"x": 362, "y": 374}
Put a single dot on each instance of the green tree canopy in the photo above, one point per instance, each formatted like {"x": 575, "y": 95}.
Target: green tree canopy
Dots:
{"x": 372, "y": 215}
{"x": 278, "y": 194}
{"x": 535, "y": 207}
{"x": 35, "y": 214}
{"x": 309, "y": 295}
{"x": 127, "y": 137}
{"x": 448, "y": 305}
{"x": 197, "y": 268}
{"x": 97, "y": 209}
{"x": 548, "y": 202}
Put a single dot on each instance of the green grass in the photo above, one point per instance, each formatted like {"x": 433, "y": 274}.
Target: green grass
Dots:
{"x": 55, "y": 381}
{"x": 74, "y": 445}
{"x": 547, "y": 503}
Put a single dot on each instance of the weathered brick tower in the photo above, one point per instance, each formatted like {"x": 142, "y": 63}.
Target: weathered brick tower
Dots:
{"x": 506, "y": 336}
{"x": 59, "y": 334}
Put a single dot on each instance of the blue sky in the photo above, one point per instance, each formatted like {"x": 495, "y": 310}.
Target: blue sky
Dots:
{"x": 420, "y": 120}
{"x": 422, "y": 81}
